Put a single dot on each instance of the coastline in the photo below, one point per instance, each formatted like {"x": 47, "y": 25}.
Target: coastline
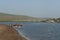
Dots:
{"x": 20, "y": 33}
{"x": 9, "y": 33}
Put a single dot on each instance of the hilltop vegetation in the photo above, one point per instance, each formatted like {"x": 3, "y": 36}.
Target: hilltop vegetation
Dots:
{"x": 11, "y": 17}
{"x": 4, "y": 17}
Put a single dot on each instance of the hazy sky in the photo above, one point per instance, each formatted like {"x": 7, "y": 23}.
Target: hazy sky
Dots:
{"x": 36, "y": 8}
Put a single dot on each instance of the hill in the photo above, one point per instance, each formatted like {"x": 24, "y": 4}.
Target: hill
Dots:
{"x": 11, "y": 17}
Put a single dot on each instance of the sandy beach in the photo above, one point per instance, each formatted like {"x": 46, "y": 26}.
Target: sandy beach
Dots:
{"x": 9, "y": 33}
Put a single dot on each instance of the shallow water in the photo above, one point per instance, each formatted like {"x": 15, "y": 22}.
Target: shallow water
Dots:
{"x": 39, "y": 31}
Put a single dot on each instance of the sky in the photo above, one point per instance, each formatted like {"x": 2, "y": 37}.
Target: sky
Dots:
{"x": 35, "y": 8}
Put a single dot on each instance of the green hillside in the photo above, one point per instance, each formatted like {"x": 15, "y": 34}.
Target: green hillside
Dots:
{"x": 11, "y": 17}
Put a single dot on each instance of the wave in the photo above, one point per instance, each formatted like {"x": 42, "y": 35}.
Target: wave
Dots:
{"x": 21, "y": 33}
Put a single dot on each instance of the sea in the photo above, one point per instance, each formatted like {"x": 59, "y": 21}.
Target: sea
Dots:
{"x": 38, "y": 31}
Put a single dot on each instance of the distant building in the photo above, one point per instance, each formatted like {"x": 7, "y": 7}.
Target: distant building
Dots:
{"x": 50, "y": 21}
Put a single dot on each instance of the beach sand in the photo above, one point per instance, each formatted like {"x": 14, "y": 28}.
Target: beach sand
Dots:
{"x": 9, "y": 33}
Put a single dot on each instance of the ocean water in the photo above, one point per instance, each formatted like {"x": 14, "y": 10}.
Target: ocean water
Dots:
{"x": 39, "y": 31}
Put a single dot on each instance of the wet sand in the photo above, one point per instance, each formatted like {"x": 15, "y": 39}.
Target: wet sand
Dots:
{"x": 9, "y": 33}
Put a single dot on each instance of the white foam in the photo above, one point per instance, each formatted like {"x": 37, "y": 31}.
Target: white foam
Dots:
{"x": 20, "y": 32}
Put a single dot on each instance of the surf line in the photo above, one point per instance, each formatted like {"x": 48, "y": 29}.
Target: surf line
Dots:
{"x": 20, "y": 33}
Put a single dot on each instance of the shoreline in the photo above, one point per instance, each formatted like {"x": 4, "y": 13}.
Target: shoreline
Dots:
{"x": 20, "y": 33}
{"x": 9, "y": 33}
